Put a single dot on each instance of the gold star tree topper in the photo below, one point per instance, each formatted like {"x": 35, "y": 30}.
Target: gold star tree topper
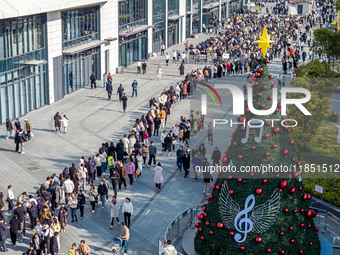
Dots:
{"x": 264, "y": 42}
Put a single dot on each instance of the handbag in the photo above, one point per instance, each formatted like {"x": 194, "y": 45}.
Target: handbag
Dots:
{"x": 96, "y": 198}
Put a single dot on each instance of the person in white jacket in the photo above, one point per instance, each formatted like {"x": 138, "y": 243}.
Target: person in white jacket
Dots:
{"x": 127, "y": 210}
{"x": 169, "y": 249}
{"x": 126, "y": 143}
{"x": 114, "y": 209}
{"x": 163, "y": 135}
{"x": 68, "y": 188}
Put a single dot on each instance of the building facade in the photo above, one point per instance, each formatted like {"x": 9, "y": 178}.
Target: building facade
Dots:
{"x": 49, "y": 49}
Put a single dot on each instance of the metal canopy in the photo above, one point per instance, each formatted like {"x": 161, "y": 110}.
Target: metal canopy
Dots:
{"x": 82, "y": 47}
{"x": 175, "y": 17}
{"x": 35, "y": 62}
{"x": 135, "y": 30}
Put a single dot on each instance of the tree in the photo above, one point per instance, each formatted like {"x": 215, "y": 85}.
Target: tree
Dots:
{"x": 328, "y": 42}
{"x": 316, "y": 77}
{"x": 253, "y": 213}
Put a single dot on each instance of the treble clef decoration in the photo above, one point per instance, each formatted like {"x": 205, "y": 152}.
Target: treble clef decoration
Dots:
{"x": 244, "y": 225}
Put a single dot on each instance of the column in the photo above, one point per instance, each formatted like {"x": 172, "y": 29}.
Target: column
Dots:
{"x": 54, "y": 48}
{"x": 149, "y": 15}
{"x": 182, "y": 21}
{"x": 220, "y": 10}
{"x": 200, "y": 7}
{"x": 166, "y": 30}
{"x": 190, "y": 23}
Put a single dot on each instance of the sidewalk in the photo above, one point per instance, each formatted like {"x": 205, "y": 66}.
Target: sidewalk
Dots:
{"x": 94, "y": 120}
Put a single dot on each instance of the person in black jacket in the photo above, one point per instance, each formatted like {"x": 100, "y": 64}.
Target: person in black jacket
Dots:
{"x": 36, "y": 242}
{"x": 57, "y": 122}
{"x": 54, "y": 244}
{"x": 81, "y": 203}
{"x": 120, "y": 150}
{"x": 33, "y": 213}
{"x": 109, "y": 89}
{"x": 93, "y": 80}
{"x": 19, "y": 140}
{"x": 186, "y": 163}
{"x": 3, "y": 235}
{"x": 216, "y": 156}
{"x": 157, "y": 123}
{"x": 120, "y": 92}
{"x": 31, "y": 250}
{"x": 168, "y": 143}
{"x": 14, "y": 227}
{"x": 124, "y": 99}
{"x": 114, "y": 176}
{"x": 102, "y": 191}
{"x": 9, "y": 128}
{"x": 179, "y": 158}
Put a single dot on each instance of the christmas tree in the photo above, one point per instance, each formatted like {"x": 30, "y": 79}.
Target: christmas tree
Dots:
{"x": 253, "y": 213}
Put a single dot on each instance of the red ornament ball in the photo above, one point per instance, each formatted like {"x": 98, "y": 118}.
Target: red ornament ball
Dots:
{"x": 202, "y": 237}
{"x": 286, "y": 210}
{"x": 265, "y": 181}
{"x": 282, "y": 252}
{"x": 196, "y": 232}
{"x": 230, "y": 177}
{"x": 317, "y": 229}
{"x": 276, "y": 110}
{"x": 200, "y": 229}
{"x": 257, "y": 75}
{"x": 256, "y": 83}
{"x": 311, "y": 243}
{"x": 270, "y": 97}
{"x": 296, "y": 175}
{"x": 243, "y": 128}
{"x": 220, "y": 225}
{"x": 264, "y": 87}
{"x": 259, "y": 94}
{"x": 292, "y": 240}
{"x": 258, "y": 239}
{"x": 254, "y": 78}
{"x": 302, "y": 225}
{"x": 235, "y": 143}
{"x": 310, "y": 213}
{"x": 231, "y": 192}
{"x": 309, "y": 225}
{"x": 269, "y": 250}
{"x": 211, "y": 232}
{"x": 205, "y": 214}
{"x": 301, "y": 251}
{"x": 259, "y": 191}
{"x": 200, "y": 216}
{"x": 291, "y": 228}
{"x": 279, "y": 104}
{"x": 211, "y": 196}
{"x": 273, "y": 86}
{"x": 267, "y": 154}
{"x": 240, "y": 156}
{"x": 268, "y": 123}
{"x": 217, "y": 187}
{"x": 253, "y": 147}
{"x": 229, "y": 147}
{"x": 291, "y": 141}
{"x": 224, "y": 158}
{"x": 233, "y": 134}
{"x": 277, "y": 175}
{"x": 204, "y": 208}
{"x": 267, "y": 61}
{"x": 213, "y": 186}
{"x": 293, "y": 159}
{"x": 231, "y": 233}
{"x": 280, "y": 190}
{"x": 309, "y": 196}
{"x": 283, "y": 184}
{"x": 302, "y": 210}
{"x": 295, "y": 211}
{"x": 292, "y": 190}
{"x": 242, "y": 248}
{"x": 260, "y": 69}
{"x": 263, "y": 106}
{"x": 276, "y": 130}
{"x": 266, "y": 135}
{"x": 207, "y": 223}
{"x": 271, "y": 77}
{"x": 274, "y": 146}
{"x": 300, "y": 188}
{"x": 239, "y": 179}
{"x": 247, "y": 109}
{"x": 285, "y": 152}
{"x": 251, "y": 174}
{"x": 197, "y": 224}
{"x": 282, "y": 233}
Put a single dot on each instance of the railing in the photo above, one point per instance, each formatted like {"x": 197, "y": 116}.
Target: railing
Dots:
{"x": 81, "y": 40}
{"x": 327, "y": 223}
{"x": 182, "y": 222}
{"x": 130, "y": 26}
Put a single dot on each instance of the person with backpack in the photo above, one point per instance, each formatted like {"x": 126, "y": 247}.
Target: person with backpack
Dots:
{"x": 134, "y": 86}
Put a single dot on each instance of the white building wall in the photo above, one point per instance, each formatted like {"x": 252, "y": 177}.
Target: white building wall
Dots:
{"x": 149, "y": 22}
{"x": 182, "y": 22}
{"x": 109, "y": 29}
{"x": 54, "y": 46}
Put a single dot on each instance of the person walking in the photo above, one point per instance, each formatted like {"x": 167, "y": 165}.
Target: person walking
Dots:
{"x": 210, "y": 133}
{"x": 109, "y": 78}
{"x": 104, "y": 79}
{"x": 33, "y": 214}
{"x": 145, "y": 152}
{"x": 3, "y": 228}
{"x": 83, "y": 248}
{"x": 152, "y": 154}
{"x": 186, "y": 163}
{"x": 68, "y": 186}
{"x": 216, "y": 156}
{"x": 19, "y": 140}
{"x": 93, "y": 197}
{"x": 10, "y": 198}
{"x": 62, "y": 217}
{"x": 127, "y": 210}
{"x": 139, "y": 65}
{"x": 73, "y": 202}
{"x": 168, "y": 248}
{"x": 167, "y": 57}
{"x": 131, "y": 168}
{"x": 162, "y": 115}
{"x": 102, "y": 191}
{"x": 207, "y": 177}
{"x": 57, "y": 121}
{"x": 65, "y": 121}
{"x": 179, "y": 158}
{"x": 120, "y": 92}
{"x": 13, "y": 230}
{"x": 81, "y": 203}
{"x": 109, "y": 90}
{"x": 125, "y": 236}
{"x": 157, "y": 122}
{"x": 181, "y": 69}
{"x": 159, "y": 73}
{"x": 124, "y": 99}
{"x": 158, "y": 176}
{"x": 144, "y": 67}
{"x": 114, "y": 210}
{"x": 134, "y": 86}
{"x": 93, "y": 80}
{"x": 55, "y": 244}
{"x": 162, "y": 49}
{"x": 114, "y": 176}
{"x": 9, "y": 128}
{"x": 2, "y": 206}
{"x": 122, "y": 173}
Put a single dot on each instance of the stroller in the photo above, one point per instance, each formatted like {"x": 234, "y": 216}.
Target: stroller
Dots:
{"x": 117, "y": 247}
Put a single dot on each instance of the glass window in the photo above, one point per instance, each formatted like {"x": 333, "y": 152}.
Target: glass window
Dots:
{"x": 173, "y": 6}
{"x": 131, "y": 14}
